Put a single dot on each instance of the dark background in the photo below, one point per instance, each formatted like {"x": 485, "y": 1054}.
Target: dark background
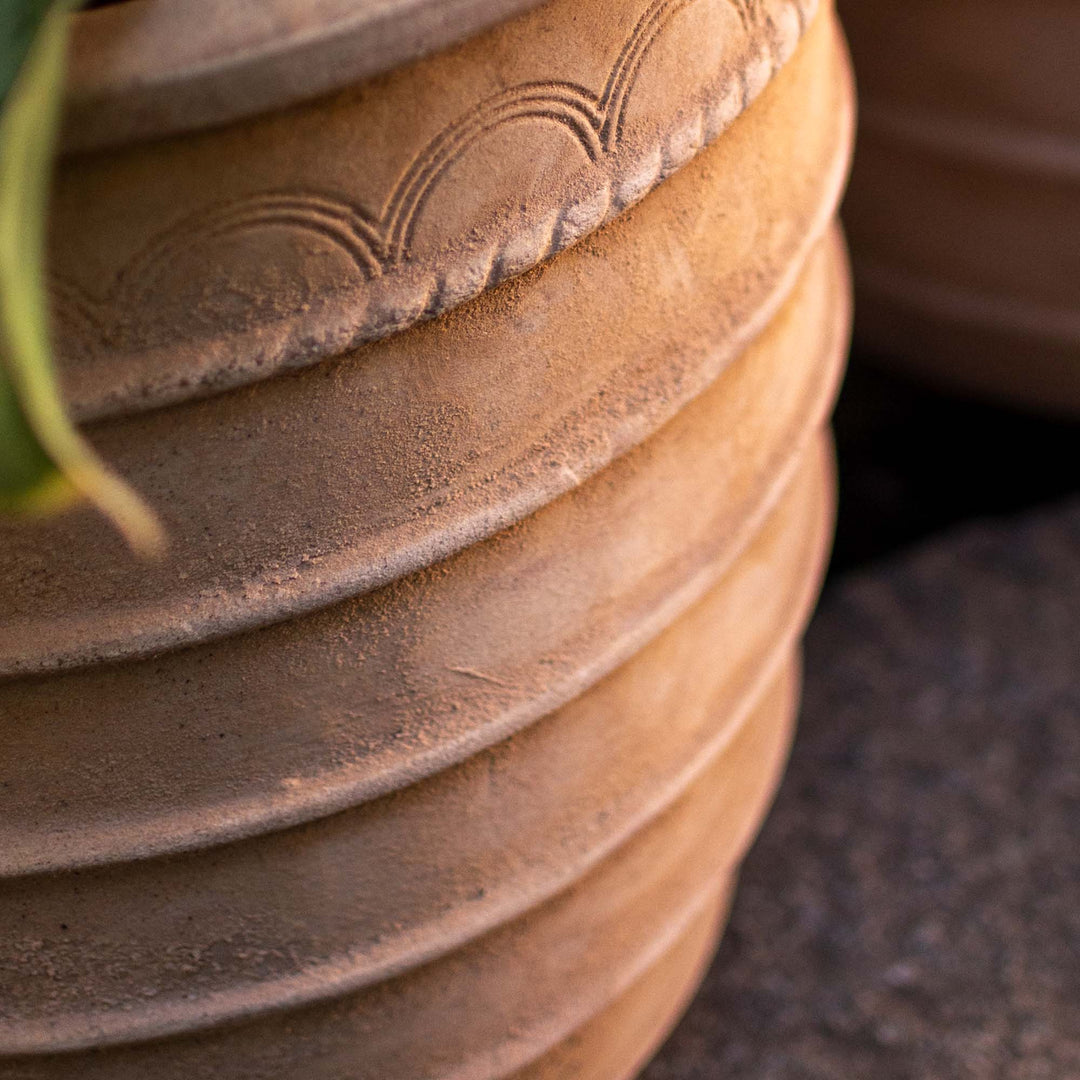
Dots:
{"x": 914, "y": 460}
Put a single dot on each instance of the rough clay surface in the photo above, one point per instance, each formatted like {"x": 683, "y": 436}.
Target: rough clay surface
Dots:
{"x": 502, "y": 1000}
{"x": 274, "y": 957}
{"x": 188, "y": 264}
{"x": 912, "y": 909}
{"x": 139, "y": 71}
{"x": 965, "y": 198}
{"x": 409, "y": 449}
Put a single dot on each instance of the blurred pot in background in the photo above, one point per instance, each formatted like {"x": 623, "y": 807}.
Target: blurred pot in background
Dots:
{"x": 964, "y": 208}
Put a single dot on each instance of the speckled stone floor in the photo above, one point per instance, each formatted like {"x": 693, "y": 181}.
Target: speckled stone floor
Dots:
{"x": 912, "y": 908}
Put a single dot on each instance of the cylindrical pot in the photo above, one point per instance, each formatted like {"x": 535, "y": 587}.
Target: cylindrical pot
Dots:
{"x": 432, "y": 746}
{"x": 964, "y": 206}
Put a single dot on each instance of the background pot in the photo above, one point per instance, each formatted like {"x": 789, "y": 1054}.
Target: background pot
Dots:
{"x": 965, "y": 200}
{"x": 397, "y": 792}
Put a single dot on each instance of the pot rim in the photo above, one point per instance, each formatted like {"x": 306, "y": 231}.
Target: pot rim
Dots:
{"x": 144, "y": 69}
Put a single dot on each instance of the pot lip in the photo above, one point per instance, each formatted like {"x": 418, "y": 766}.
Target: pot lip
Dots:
{"x": 144, "y": 69}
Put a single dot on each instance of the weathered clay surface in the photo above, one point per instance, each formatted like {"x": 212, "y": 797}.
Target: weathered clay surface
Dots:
{"x": 965, "y": 200}
{"x": 615, "y": 1044}
{"x": 282, "y": 240}
{"x": 142, "y": 69}
{"x": 414, "y": 447}
{"x": 433, "y": 750}
{"x": 494, "y": 1005}
{"x": 477, "y": 851}
{"x": 358, "y": 699}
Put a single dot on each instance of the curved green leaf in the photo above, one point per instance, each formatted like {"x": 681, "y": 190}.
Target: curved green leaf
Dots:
{"x": 44, "y": 461}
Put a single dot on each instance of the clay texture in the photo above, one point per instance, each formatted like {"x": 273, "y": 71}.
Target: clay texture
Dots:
{"x": 143, "y": 69}
{"x": 965, "y": 200}
{"x": 434, "y": 746}
{"x": 410, "y": 449}
{"x": 188, "y": 264}
{"x": 440, "y": 675}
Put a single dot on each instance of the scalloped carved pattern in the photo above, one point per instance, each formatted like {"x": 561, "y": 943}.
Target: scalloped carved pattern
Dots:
{"x": 377, "y": 242}
{"x": 375, "y": 245}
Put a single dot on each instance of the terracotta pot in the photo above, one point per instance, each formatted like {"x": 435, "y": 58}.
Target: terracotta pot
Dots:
{"x": 432, "y": 748}
{"x": 965, "y": 201}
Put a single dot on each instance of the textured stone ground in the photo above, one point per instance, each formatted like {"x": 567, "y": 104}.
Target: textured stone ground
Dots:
{"x": 912, "y": 909}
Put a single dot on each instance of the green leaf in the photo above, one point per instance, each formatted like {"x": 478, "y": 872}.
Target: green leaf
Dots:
{"x": 19, "y": 24}
{"x": 44, "y": 461}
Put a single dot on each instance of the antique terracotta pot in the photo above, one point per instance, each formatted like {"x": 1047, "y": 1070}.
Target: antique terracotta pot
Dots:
{"x": 432, "y": 746}
{"x": 965, "y": 200}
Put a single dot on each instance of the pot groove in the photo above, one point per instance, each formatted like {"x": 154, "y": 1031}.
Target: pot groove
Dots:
{"x": 616, "y": 1044}
{"x": 522, "y": 856}
{"x": 345, "y": 732}
{"x": 646, "y": 892}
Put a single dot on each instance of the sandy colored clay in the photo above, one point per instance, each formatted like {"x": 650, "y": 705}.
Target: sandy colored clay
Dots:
{"x": 502, "y": 1001}
{"x": 964, "y": 209}
{"x": 282, "y": 240}
{"x": 370, "y": 694}
{"x": 352, "y": 929}
{"x": 145, "y": 68}
{"x": 433, "y": 865}
{"x": 433, "y": 748}
{"x": 618, "y": 1041}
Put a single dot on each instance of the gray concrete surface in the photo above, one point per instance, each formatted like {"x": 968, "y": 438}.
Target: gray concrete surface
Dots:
{"x": 912, "y": 908}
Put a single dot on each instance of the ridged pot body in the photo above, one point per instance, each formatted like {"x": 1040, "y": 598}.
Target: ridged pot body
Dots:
{"x": 431, "y": 748}
{"x": 964, "y": 206}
